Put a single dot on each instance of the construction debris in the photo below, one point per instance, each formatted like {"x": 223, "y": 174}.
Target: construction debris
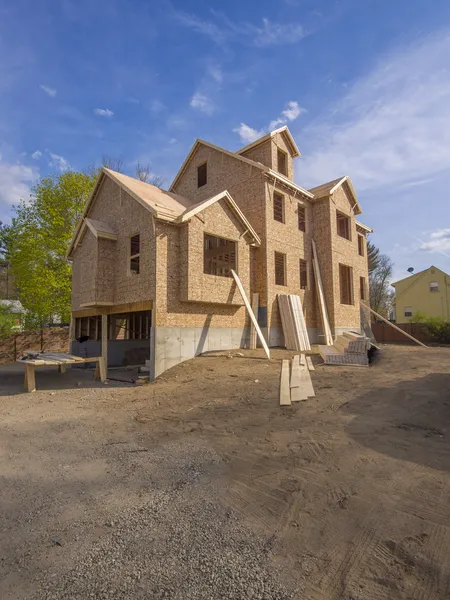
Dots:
{"x": 300, "y": 385}
{"x": 349, "y": 349}
{"x": 293, "y": 322}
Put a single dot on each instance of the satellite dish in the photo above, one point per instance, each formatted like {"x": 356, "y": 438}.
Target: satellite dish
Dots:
{"x": 410, "y": 270}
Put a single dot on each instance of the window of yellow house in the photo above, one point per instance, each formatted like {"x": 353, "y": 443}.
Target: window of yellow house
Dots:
{"x": 303, "y": 274}
{"x": 219, "y": 256}
{"x": 407, "y": 311}
{"x": 434, "y": 286}
{"x": 280, "y": 268}
{"x": 135, "y": 252}
{"x": 346, "y": 284}
{"x": 343, "y": 225}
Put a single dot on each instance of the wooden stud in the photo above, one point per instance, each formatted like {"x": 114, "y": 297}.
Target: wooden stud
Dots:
{"x": 102, "y": 369}
{"x": 30, "y": 379}
{"x": 250, "y": 312}
{"x": 285, "y": 391}
{"x": 321, "y": 295}
{"x": 309, "y": 362}
{"x": 255, "y": 305}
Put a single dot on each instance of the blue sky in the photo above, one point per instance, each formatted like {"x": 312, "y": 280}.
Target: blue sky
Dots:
{"x": 364, "y": 86}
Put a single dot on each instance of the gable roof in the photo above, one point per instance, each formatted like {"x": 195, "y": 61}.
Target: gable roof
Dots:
{"x": 100, "y": 229}
{"x": 416, "y": 275}
{"x": 193, "y": 210}
{"x": 327, "y": 189}
{"x": 160, "y": 203}
{"x": 284, "y": 131}
{"x": 198, "y": 142}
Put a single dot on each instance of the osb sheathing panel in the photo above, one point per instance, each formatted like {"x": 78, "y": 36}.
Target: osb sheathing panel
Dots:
{"x": 245, "y": 183}
{"x": 221, "y": 221}
{"x": 261, "y": 153}
{"x": 323, "y": 238}
{"x": 171, "y": 311}
{"x": 127, "y": 217}
{"x": 346, "y": 252}
{"x": 295, "y": 244}
{"x": 84, "y": 271}
{"x": 278, "y": 142}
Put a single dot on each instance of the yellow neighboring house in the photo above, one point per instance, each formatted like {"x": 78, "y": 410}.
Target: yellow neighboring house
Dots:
{"x": 427, "y": 292}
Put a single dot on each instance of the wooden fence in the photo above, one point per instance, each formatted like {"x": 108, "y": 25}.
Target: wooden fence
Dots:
{"x": 45, "y": 340}
{"x": 385, "y": 334}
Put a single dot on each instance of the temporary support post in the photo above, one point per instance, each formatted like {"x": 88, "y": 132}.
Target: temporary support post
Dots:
{"x": 105, "y": 340}
{"x": 394, "y": 326}
{"x": 251, "y": 313}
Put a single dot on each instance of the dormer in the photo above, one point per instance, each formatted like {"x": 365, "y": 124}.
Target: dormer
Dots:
{"x": 275, "y": 150}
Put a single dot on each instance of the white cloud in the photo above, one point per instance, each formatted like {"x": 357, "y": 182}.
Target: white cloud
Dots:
{"x": 439, "y": 241}
{"x": 222, "y": 30}
{"x": 156, "y": 106}
{"x": 103, "y": 112}
{"x": 15, "y": 182}
{"x": 290, "y": 113}
{"x": 58, "y": 162}
{"x": 216, "y": 73}
{"x": 247, "y": 134}
{"x": 202, "y": 103}
{"x": 36, "y": 155}
{"x": 48, "y": 90}
{"x": 393, "y": 125}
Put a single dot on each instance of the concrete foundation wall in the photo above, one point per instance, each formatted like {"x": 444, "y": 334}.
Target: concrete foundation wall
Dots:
{"x": 172, "y": 345}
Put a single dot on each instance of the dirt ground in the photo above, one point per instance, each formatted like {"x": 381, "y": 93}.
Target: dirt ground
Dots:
{"x": 201, "y": 486}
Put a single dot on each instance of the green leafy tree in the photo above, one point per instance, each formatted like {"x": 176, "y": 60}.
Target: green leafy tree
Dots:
{"x": 8, "y": 320}
{"x": 4, "y": 236}
{"x": 38, "y": 240}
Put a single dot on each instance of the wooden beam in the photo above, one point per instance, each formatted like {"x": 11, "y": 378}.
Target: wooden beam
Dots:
{"x": 30, "y": 379}
{"x": 394, "y": 326}
{"x": 297, "y": 391}
{"x": 285, "y": 391}
{"x": 320, "y": 293}
{"x": 251, "y": 314}
{"x": 255, "y": 305}
{"x": 309, "y": 362}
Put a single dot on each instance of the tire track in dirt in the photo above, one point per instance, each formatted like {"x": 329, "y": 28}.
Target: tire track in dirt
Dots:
{"x": 436, "y": 582}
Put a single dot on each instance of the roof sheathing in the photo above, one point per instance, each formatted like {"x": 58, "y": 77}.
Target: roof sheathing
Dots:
{"x": 282, "y": 130}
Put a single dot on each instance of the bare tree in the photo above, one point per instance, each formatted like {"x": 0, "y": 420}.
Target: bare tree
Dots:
{"x": 144, "y": 173}
{"x": 111, "y": 162}
{"x": 381, "y": 295}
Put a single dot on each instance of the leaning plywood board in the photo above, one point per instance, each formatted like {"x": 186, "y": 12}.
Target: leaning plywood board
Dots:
{"x": 255, "y": 304}
{"x": 285, "y": 392}
{"x": 298, "y": 309}
{"x": 297, "y": 391}
{"x": 321, "y": 295}
{"x": 286, "y": 322}
{"x": 250, "y": 312}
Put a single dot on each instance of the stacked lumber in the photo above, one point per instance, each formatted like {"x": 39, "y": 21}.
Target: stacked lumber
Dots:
{"x": 299, "y": 386}
{"x": 348, "y": 349}
{"x": 293, "y": 322}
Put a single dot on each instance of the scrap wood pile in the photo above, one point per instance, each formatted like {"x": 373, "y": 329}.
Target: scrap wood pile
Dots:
{"x": 349, "y": 349}
{"x": 293, "y": 322}
{"x": 296, "y": 384}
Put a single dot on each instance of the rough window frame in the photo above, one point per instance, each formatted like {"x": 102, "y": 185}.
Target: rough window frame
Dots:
{"x": 343, "y": 225}
{"x": 362, "y": 288}
{"x": 134, "y": 262}
{"x": 282, "y": 162}
{"x": 278, "y": 207}
{"x": 303, "y": 265}
{"x": 301, "y": 217}
{"x": 280, "y": 268}
{"x": 360, "y": 244}
{"x": 226, "y": 256}
{"x": 346, "y": 284}
{"x": 202, "y": 175}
